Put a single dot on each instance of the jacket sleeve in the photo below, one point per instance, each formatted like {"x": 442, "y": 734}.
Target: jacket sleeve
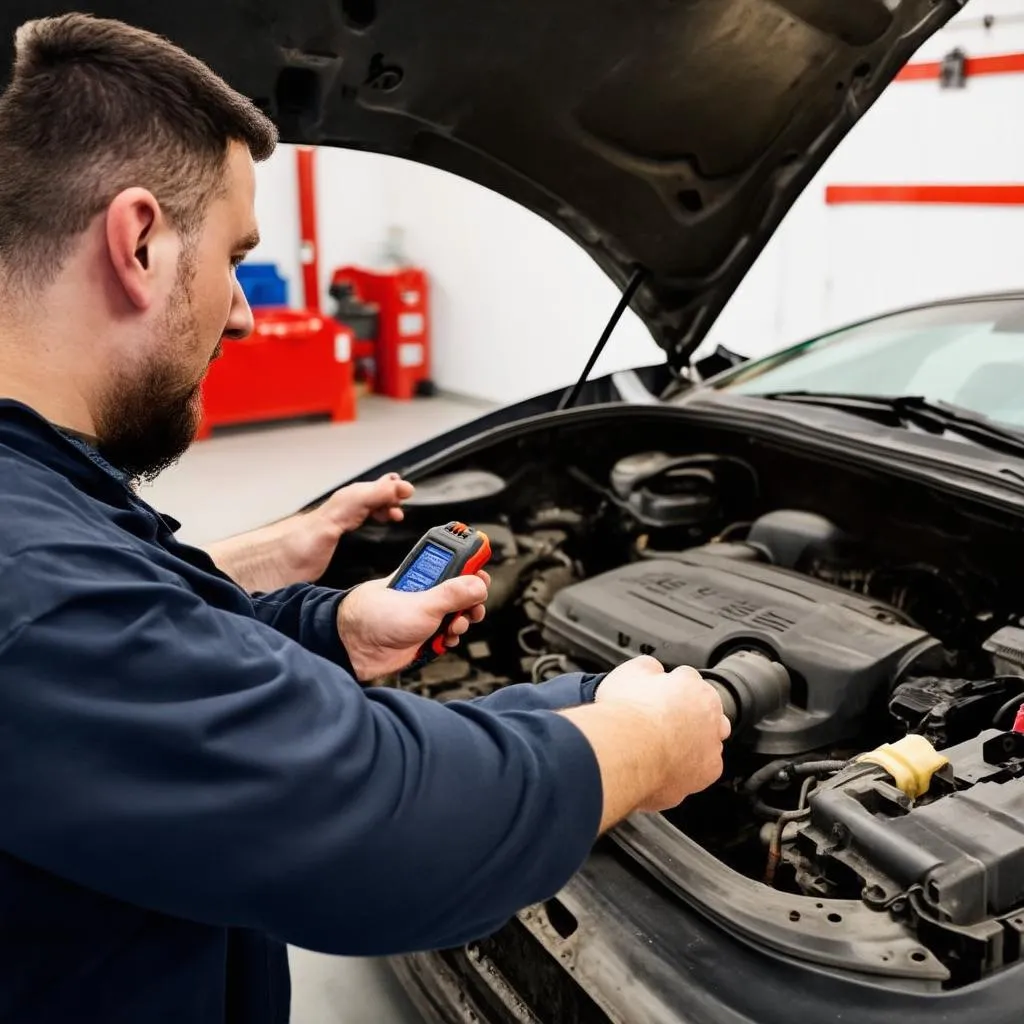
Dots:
{"x": 308, "y": 615}
{"x": 200, "y": 764}
{"x": 568, "y": 691}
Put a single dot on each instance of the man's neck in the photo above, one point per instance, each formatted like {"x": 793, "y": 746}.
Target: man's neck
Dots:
{"x": 53, "y": 394}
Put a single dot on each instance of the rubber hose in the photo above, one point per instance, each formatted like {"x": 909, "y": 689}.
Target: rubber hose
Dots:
{"x": 819, "y": 767}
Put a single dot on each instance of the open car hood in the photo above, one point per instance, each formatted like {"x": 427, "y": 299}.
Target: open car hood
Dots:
{"x": 667, "y": 135}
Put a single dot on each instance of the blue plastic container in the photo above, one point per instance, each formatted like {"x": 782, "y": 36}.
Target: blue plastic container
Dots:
{"x": 263, "y": 285}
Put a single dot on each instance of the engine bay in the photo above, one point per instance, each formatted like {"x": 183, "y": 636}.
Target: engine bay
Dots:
{"x": 864, "y": 633}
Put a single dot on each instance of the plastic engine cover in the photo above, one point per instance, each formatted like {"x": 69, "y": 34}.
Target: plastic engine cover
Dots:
{"x": 694, "y": 609}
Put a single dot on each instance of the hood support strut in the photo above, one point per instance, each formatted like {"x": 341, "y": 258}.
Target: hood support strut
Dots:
{"x": 571, "y": 396}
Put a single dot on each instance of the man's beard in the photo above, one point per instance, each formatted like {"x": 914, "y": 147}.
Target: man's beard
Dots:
{"x": 151, "y": 416}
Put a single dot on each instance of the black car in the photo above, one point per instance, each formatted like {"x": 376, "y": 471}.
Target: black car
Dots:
{"x": 832, "y": 535}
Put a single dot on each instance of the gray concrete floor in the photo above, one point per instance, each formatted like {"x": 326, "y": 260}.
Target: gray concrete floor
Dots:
{"x": 244, "y": 479}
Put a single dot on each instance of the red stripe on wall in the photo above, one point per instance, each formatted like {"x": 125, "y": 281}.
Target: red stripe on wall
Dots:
{"x": 999, "y": 64}
{"x": 949, "y": 195}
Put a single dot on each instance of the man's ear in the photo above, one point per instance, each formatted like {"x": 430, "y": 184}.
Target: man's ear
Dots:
{"x": 134, "y": 224}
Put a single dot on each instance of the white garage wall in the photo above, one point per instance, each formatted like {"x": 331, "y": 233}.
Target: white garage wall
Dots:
{"x": 517, "y": 306}
{"x": 829, "y": 265}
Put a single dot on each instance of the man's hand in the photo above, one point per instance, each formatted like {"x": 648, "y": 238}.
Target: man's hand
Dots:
{"x": 657, "y": 737}
{"x": 693, "y": 726}
{"x": 383, "y": 629}
{"x": 299, "y": 548}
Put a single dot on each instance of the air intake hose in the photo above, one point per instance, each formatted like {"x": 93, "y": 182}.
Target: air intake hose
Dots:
{"x": 751, "y": 686}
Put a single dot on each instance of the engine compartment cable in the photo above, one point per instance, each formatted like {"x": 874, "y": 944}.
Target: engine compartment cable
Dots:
{"x": 802, "y": 813}
{"x": 784, "y": 770}
{"x": 1012, "y": 705}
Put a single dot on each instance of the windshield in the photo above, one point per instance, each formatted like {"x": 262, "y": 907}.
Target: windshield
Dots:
{"x": 970, "y": 354}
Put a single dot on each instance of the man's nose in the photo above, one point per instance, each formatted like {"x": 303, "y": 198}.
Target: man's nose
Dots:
{"x": 240, "y": 320}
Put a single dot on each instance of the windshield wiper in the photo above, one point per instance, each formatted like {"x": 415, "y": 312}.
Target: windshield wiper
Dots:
{"x": 915, "y": 410}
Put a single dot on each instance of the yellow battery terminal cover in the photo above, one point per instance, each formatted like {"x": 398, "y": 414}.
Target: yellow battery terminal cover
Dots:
{"x": 911, "y": 761}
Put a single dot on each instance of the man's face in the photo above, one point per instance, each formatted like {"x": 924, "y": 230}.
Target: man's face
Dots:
{"x": 153, "y": 410}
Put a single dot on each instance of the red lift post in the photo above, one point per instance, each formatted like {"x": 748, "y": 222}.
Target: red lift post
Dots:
{"x": 309, "y": 241}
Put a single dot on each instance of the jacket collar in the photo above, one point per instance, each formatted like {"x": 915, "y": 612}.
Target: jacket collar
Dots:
{"x": 87, "y": 448}
{"x": 70, "y": 454}
{"x": 24, "y": 430}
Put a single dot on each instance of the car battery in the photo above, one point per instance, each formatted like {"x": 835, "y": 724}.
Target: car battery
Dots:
{"x": 294, "y": 364}
{"x": 401, "y": 348}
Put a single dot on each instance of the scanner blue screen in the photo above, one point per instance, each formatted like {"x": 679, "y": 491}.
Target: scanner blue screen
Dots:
{"x": 427, "y": 570}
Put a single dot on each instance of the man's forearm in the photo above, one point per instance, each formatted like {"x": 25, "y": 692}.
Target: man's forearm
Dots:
{"x": 258, "y": 561}
{"x": 626, "y": 743}
{"x": 299, "y": 549}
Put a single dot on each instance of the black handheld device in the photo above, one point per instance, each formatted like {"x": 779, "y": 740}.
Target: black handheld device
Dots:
{"x": 442, "y": 553}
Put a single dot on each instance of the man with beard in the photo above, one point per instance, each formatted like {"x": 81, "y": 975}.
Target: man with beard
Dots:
{"x": 191, "y": 776}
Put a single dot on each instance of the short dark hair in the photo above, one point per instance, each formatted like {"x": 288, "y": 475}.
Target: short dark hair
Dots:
{"x": 95, "y": 106}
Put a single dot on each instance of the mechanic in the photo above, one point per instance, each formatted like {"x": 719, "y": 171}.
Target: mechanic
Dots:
{"x": 190, "y": 775}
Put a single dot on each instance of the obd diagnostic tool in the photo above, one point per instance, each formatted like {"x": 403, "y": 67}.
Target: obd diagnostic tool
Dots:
{"x": 442, "y": 553}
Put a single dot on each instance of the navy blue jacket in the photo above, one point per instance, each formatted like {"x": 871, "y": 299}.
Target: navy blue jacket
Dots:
{"x": 190, "y": 777}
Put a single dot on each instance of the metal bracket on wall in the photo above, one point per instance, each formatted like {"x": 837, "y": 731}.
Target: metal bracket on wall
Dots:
{"x": 953, "y": 70}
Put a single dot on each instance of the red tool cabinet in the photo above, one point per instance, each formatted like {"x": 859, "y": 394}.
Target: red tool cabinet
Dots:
{"x": 402, "y": 346}
{"x": 295, "y": 363}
